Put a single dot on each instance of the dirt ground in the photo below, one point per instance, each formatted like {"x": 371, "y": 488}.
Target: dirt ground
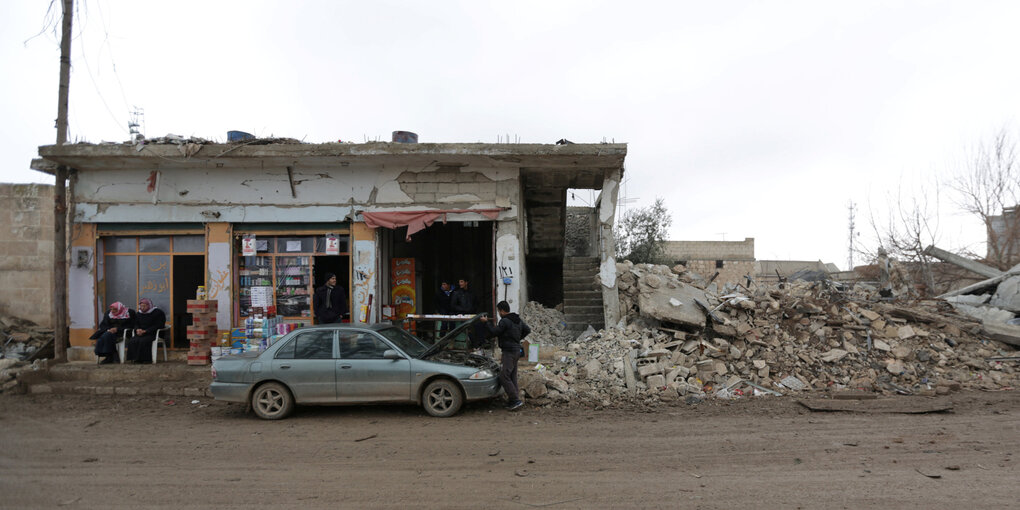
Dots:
{"x": 151, "y": 452}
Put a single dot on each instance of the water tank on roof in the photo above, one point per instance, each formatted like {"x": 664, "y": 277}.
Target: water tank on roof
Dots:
{"x": 239, "y": 136}
{"x": 405, "y": 137}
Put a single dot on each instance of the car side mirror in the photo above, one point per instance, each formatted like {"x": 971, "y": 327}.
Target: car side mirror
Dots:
{"x": 391, "y": 354}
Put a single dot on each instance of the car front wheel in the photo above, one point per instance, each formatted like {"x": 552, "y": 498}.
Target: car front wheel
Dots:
{"x": 442, "y": 398}
{"x": 272, "y": 401}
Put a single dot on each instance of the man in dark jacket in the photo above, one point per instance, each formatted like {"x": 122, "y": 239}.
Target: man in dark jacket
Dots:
{"x": 464, "y": 302}
{"x": 509, "y": 330}
{"x": 443, "y": 299}
{"x": 329, "y": 303}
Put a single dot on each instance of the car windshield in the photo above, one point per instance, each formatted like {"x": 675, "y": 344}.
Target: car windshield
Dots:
{"x": 404, "y": 340}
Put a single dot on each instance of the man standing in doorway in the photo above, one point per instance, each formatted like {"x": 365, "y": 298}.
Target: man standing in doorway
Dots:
{"x": 509, "y": 331}
{"x": 443, "y": 299}
{"x": 329, "y": 302}
{"x": 463, "y": 302}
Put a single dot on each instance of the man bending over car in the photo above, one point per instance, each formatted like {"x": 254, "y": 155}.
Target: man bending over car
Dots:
{"x": 510, "y": 330}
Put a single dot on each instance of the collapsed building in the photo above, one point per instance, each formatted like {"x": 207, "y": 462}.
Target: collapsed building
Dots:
{"x": 681, "y": 337}
{"x": 260, "y": 222}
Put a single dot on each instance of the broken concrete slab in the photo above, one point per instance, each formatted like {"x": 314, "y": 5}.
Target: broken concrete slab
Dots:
{"x": 1005, "y": 333}
{"x": 677, "y": 305}
{"x": 1007, "y": 295}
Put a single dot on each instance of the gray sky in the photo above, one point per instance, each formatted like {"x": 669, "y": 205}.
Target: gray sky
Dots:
{"x": 750, "y": 119}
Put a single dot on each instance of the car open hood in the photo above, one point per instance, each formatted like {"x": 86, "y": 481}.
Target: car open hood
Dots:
{"x": 448, "y": 338}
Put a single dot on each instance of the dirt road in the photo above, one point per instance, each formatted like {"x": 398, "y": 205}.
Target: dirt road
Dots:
{"x": 114, "y": 452}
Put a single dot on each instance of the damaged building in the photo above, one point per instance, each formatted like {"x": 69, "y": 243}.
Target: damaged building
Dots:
{"x": 261, "y": 222}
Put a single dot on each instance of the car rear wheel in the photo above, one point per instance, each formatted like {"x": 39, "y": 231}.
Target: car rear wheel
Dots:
{"x": 442, "y": 398}
{"x": 272, "y": 401}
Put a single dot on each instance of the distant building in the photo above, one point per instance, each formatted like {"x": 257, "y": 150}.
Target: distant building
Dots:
{"x": 1004, "y": 238}
{"x": 732, "y": 260}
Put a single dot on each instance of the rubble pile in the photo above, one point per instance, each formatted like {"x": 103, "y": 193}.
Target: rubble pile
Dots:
{"x": 678, "y": 340}
{"x": 11, "y": 368}
{"x": 24, "y": 339}
{"x": 548, "y": 325}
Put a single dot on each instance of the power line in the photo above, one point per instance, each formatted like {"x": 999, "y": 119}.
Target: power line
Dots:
{"x": 88, "y": 68}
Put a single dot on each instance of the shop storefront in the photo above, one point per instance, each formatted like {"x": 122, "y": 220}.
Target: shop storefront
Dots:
{"x": 278, "y": 269}
{"x": 148, "y": 262}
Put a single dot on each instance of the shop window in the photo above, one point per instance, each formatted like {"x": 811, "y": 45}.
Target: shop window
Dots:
{"x": 136, "y": 267}
{"x": 120, "y": 244}
{"x": 280, "y": 275}
{"x": 192, "y": 244}
{"x": 154, "y": 244}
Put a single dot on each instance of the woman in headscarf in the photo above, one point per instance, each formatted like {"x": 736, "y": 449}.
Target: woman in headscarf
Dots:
{"x": 111, "y": 330}
{"x": 149, "y": 320}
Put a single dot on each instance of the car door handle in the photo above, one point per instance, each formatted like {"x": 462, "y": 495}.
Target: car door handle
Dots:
{"x": 345, "y": 366}
{"x": 284, "y": 367}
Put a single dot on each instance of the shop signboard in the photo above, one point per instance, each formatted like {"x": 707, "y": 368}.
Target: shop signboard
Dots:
{"x": 248, "y": 246}
{"x": 402, "y": 291}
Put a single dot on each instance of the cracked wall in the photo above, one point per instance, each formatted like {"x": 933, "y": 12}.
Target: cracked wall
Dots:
{"x": 266, "y": 194}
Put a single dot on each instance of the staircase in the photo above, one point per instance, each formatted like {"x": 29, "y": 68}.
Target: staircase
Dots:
{"x": 582, "y": 296}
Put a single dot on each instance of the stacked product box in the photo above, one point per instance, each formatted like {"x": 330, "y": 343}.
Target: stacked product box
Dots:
{"x": 202, "y": 331}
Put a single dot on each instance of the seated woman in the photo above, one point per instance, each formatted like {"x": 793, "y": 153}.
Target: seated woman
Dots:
{"x": 148, "y": 320}
{"x": 111, "y": 329}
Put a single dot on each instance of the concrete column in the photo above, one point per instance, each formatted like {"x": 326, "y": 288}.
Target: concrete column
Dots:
{"x": 970, "y": 265}
{"x": 607, "y": 247}
{"x": 219, "y": 262}
{"x": 81, "y": 285}
{"x": 365, "y": 281}
{"x": 509, "y": 256}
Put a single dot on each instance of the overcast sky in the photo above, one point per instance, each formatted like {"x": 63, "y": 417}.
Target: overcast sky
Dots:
{"x": 750, "y": 119}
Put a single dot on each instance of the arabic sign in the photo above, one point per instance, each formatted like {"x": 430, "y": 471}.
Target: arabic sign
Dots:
{"x": 332, "y": 245}
{"x": 154, "y": 279}
{"x": 248, "y": 246}
{"x": 402, "y": 291}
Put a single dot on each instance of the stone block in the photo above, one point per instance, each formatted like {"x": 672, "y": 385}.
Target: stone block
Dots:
{"x": 104, "y": 390}
{"x": 125, "y": 390}
{"x": 194, "y": 392}
{"x": 40, "y": 389}
{"x": 656, "y": 381}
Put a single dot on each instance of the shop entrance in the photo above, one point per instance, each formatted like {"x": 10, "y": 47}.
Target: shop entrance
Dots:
{"x": 189, "y": 273}
{"x": 444, "y": 252}
{"x": 340, "y": 265}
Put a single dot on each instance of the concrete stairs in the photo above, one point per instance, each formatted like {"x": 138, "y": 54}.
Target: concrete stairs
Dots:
{"x": 173, "y": 379}
{"x": 582, "y": 296}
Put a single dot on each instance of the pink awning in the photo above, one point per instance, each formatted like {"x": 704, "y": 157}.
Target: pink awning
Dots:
{"x": 417, "y": 221}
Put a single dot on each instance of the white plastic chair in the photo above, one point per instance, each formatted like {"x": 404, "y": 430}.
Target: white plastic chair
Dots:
{"x": 160, "y": 340}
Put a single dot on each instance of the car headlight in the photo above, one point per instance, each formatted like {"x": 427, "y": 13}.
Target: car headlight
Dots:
{"x": 482, "y": 374}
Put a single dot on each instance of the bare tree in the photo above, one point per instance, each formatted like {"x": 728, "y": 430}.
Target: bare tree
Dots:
{"x": 910, "y": 225}
{"x": 988, "y": 187}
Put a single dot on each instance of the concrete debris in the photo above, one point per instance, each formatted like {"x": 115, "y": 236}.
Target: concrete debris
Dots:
{"x": 24, "y": 340}
{"x": 548, "y": 325}
{"x": 791, "y": 337}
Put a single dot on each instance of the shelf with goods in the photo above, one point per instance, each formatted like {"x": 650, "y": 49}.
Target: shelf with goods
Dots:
{"x": 293, "y": 286}
{"x": 253, "y": 274}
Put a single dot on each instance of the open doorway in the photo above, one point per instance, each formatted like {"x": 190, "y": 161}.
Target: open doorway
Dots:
{"x": 189, "y": 273}
{"x": 445, "y": 252}
{"x": 339, "y": 265}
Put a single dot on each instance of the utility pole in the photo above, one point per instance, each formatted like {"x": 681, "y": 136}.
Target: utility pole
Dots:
{"x": 60, "y": 331}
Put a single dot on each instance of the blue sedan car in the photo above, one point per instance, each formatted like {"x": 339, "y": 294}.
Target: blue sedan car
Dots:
{"x": 336, "y": 364}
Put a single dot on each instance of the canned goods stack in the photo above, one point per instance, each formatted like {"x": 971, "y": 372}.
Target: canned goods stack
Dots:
{"x": 202, "y": 331}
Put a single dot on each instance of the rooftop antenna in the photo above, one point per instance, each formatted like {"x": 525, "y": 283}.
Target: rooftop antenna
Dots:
{"x": 623, "y": 200}
{"x": 136, "y": 124}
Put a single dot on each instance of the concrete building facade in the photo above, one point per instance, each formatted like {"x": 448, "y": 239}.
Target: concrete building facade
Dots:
{"x": 260, "y": 224}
